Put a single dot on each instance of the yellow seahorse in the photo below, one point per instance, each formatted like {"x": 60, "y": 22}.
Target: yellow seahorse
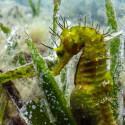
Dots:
{"x": 91, "y": 98}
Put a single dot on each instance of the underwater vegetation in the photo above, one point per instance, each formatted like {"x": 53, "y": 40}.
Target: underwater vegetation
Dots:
{"x": 35, "y": 7}
{"x": 41, "y": 66}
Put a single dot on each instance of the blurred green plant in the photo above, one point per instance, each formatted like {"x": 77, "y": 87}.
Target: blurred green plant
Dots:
{"x": 114, "y": 52}
{"x": 5, "y": 28}
{"x": 3, "y": 104}
{"x": 36, "y": 113}
{"x": 55, "y": 97}
{"x": 35, "y": 7}
{"x": 20, "y": 72}
{"x": 56, "y": 4}
{"x": 115, "y": 43}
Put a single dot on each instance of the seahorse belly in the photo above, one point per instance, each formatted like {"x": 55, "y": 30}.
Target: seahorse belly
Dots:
{"x": 90, "y": 100}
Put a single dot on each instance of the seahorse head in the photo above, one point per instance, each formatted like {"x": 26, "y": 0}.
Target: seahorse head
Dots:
{"x": 72, "y": 41}
{"x": 69, "y": 46}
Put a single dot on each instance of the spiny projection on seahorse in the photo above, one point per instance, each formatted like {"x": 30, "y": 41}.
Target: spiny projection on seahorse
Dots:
{"x": 91, "y": 99}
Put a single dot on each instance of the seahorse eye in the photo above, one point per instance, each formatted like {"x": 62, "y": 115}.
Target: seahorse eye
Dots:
{"x": 60, "y": 53}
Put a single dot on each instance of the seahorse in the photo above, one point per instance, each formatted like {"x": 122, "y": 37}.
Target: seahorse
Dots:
{"x": 91, "y": 98}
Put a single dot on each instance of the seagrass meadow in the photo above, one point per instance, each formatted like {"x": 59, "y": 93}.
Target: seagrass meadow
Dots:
{"x": 62, "y": 62}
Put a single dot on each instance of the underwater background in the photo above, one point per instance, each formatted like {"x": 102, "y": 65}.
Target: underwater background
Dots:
{"x": 38, "y": 83}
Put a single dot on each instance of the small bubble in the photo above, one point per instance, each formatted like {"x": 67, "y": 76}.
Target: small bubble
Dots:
{"x": 33, "y": 107}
